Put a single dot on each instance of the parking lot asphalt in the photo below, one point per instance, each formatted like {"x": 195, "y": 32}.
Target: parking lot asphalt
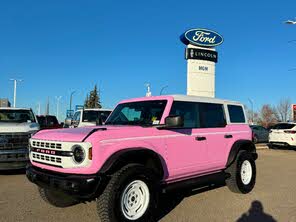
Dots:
{"x": 273, "y": 199}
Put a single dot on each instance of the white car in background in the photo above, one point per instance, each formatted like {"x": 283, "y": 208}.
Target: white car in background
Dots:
{"x": 283, "y": 134}
{"x": 88, "y": 117}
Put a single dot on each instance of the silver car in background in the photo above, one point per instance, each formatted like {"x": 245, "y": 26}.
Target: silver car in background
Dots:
{"x": 16, "y": 127}
{"x": 259, "y": 134}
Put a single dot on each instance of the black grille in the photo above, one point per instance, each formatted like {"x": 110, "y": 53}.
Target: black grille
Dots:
{"x": 14, "y": 140}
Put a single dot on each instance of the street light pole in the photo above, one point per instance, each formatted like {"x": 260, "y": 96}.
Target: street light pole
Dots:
{"x": 14, "y": 90}
{"x": 252, "y": 107}
{"x": 71, "y": 99}
{"x": 58, "y": 101}
{"x": 163, "y": 89}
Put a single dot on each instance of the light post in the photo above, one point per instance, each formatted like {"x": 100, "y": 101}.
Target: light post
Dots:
{"x": 148, "y": 92}
{"x": 162, "y": 89}
{"x": 14, "y": 89}
{"x": 71, "y": 99}
{"x": 58, "y": 101}
{"x": 252, "y": 107}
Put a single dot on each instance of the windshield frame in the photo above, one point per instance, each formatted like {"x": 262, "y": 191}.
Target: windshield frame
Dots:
{"x": 152, "y": 123}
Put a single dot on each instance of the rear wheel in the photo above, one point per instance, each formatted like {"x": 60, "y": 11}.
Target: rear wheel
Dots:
{"x": 55, "y": 198}
{"x": 255, "y": 139}
{"x": 242, "y": 173}
{"x": 131, "y": 195}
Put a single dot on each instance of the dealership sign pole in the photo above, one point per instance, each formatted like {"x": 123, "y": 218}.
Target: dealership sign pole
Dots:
{"x": 201, "y": 58}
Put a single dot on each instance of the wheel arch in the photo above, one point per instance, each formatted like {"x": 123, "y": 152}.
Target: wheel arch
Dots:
{"x": 140, "y": 155}
{"x": 241, "y": 145}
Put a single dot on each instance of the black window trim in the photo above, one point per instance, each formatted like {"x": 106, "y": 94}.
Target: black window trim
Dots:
{"x": 229, "y": 118}
{"x": 223, "y": 109}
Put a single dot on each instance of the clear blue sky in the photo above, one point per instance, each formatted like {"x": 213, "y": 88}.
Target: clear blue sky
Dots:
{"x": 60, "y": 46}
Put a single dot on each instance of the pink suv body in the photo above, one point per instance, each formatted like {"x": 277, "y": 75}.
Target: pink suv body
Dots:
{"x": 182, "y": 138}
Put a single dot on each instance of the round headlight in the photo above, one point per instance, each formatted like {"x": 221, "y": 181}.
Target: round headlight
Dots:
{"x": 78, "y": 154}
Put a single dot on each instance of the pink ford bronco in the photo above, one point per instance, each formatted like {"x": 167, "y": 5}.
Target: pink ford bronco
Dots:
{"x": 147, "y": 146}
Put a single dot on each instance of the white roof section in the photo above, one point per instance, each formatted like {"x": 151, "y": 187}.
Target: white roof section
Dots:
{"x": 201, "y": 99}
{"x": 95, "y": 109}
{"x": 12, "y": 108}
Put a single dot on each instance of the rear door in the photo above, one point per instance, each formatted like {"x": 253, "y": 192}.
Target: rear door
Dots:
{"x": 213, "y": 128}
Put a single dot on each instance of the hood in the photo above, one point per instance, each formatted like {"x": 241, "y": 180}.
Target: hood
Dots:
{"x": 79, "y": 134}
{"x": 6, "y": 127}
{"x": 66, "y": 134}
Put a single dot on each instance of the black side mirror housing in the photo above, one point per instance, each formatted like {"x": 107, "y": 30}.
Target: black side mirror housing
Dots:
{"x": 172, "y": 122}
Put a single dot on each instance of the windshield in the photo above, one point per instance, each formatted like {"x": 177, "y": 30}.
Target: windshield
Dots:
{"x": 19, "y": 116}
{"x": 94, "y": 115}
{"x": 144, "y": 113}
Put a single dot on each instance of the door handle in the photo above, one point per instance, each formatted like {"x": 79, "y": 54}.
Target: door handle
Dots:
{"x": 228, "y": 136}
{"x": 200, "y": 138}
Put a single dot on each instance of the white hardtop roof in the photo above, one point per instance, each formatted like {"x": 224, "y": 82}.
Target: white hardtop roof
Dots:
{"x": 201, "y": 99}
{"x": 12, "y": 108}
{"x": 96, "y": 109}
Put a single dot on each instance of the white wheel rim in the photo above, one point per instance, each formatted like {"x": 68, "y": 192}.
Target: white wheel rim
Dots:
{"x": 135, "y": 200}
{"x": 246, "y": 172}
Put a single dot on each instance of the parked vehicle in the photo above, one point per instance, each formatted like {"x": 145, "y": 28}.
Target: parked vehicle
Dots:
{"x": 283, "y": 134}
{"x": 16, "y": 127}
{"x": 88, "y": 117}
{"x": 146, "y": 146}
{"x": 48, "y": 122}
{"x": 260, "y": 134}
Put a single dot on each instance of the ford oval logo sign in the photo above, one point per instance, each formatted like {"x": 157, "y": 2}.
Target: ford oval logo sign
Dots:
{"x": 201, "y": 37}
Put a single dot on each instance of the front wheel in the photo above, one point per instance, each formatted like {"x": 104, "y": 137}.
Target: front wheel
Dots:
{"x": 131, "y": 195}
{"x": 242, "y": 173}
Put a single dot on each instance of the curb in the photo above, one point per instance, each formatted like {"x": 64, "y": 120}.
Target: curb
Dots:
{"x": 261, "y": 146}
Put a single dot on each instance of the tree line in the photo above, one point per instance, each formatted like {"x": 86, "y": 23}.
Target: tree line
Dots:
{"x": 269, "y": 115}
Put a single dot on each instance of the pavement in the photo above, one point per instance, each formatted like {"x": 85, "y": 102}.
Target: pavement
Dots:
{"x": 273, "y": 198}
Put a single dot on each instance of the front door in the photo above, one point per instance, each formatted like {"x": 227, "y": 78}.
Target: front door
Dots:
{"x": 186, "y": 150}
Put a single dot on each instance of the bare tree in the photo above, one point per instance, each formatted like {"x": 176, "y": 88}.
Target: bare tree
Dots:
{"x": 267, "y": 116}
{"x": 284, "y": 109}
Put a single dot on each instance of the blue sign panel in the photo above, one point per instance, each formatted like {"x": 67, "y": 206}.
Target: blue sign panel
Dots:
{"x": 201, "y": 37}
{"x": 79, "y": 107}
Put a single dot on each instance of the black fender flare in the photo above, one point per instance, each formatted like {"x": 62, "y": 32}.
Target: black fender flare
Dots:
{"x": 241, "y": 145}
{"x": 137, "y": 154}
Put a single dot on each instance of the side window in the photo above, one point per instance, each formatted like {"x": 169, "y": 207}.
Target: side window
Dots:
{"x": 212, "y": 115}
{"x": 236, "y": 114}
{"x": 189, "y": 112}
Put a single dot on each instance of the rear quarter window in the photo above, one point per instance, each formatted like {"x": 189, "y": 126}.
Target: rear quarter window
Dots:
{"x": 236, "y": 114}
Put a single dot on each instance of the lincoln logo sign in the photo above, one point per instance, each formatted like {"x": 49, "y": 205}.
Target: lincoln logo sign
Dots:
{"x": 201, "y": 37}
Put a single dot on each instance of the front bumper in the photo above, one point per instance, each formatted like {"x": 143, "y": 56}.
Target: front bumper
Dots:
{"x": 14, "y": 159}
{"x": 85, "y": 187}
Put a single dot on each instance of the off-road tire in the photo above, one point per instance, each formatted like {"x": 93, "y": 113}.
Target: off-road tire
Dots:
{"x": 109, "y": 202}
{"x": 56, "y": 199}
{"x": 234, "y": 182}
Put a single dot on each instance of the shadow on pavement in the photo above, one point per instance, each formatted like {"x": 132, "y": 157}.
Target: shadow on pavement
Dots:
{"x": 169, "y": 201}
{"x": 256, "y": 213}
{"x": 13, "y": 172}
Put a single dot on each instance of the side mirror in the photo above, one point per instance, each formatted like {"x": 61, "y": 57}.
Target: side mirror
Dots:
{"x": 172, "y": 122}
{"x": 68, "y": 121}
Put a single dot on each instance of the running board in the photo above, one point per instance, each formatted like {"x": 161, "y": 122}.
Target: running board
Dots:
{"x": 197, "y": 182}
